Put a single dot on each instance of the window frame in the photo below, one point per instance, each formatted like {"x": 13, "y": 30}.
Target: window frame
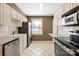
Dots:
{"x": 39, "y": 19}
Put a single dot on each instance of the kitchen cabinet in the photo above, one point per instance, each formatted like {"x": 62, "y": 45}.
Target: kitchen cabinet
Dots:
{"x": 77, "y": 4}
{"x": 0, "y": 50}
{"x": 73, "y": 5}
{"x": 18, "y": 23}
{"x": 14, "y": 14}
{"x": 1, "y": 13}
{"x": 5, "y": 14}
{"x": 24, "y": 19}
{"x": 15, "y": 44}
{"x": 67, "y": 7}
{"x": 17, "y": 18}
{"x": 23, "y": 43}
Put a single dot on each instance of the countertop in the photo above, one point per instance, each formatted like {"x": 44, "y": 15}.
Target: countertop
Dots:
{"x": 66, "y": 41}
{"x": 9, "y": 38}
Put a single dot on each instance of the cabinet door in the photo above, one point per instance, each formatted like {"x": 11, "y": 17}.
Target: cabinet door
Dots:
{"x": 77, "y": 4}
{"x": 18, "y": 16}
{"x": 14, "y": 14}
{"x": 21, "y": 46}
{"x": 5, "y": 14}
{"x": 67, "y": 7}
{"x": 0, "y": 50}
{"x": 1, "y": 13}
{"x": 73, "y": 5}
{"x": 18, "y": 23}
{"x": 23, "y": 43}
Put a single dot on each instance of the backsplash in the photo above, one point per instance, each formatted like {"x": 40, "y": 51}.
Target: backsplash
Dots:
{"x": 64, "y": 31}
{"x": 4, "y": 30}
{"x": 7, "y": 30}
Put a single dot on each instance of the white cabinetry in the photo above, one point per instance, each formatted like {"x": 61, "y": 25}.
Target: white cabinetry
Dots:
{"x": 23, "y": 43}
{"x": 0, "y": 50}
{"x": 5, "y": 14}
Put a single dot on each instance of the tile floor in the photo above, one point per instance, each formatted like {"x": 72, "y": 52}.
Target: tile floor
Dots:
{"x": 40, "y": 48}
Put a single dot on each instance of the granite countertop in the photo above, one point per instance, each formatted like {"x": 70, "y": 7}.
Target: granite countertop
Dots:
{"x": 9, "y": 38}
{"x": 66, "y": 41}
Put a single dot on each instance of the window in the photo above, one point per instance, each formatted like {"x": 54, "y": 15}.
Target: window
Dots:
{"x": 37, "y": 26}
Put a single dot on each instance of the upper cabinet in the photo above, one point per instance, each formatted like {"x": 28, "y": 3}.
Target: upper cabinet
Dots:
{"x": 14, "y": 14}
{"x": 18, "y": 18}
{"x": 5, "y": 14}
{"x": 77, "y": 4}
{"x": 69, "y": 6}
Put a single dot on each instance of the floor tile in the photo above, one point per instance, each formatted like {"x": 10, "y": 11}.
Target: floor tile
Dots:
{"x": 39, "y": 48}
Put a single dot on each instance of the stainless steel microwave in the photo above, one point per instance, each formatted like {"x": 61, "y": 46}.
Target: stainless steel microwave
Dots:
{"x": 72, "y": 19}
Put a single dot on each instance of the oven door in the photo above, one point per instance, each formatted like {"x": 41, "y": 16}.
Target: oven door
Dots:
{"x": 59, "y": 51}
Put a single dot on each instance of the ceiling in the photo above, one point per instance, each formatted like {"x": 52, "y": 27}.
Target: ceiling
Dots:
{"x": 39, "y": 9}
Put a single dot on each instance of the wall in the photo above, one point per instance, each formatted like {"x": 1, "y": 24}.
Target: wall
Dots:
{"x": 47, "y": 28}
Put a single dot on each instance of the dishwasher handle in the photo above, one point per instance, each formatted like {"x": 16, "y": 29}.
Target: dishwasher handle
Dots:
{"x": 12, "y": 43}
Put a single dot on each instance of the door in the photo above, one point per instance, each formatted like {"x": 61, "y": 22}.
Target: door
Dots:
{"x": 59, "y": 51}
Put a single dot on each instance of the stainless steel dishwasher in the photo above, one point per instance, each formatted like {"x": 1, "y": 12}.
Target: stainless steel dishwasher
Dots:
{"x": 12, "y": 48}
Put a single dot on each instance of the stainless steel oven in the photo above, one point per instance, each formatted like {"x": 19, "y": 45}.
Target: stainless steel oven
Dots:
{"x": 59, "y": 51}
{"x": 72, "y": 19}
{"x": 75, "y": 40}
{"x": 62, "y": 50}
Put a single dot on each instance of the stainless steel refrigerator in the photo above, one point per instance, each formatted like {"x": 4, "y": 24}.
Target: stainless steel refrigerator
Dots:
{"x": 26, "y": 29}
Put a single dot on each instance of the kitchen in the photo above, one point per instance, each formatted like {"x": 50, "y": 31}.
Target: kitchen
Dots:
{"x": 45, "y": 28}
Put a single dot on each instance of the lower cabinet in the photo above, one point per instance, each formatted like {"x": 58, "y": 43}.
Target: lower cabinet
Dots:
{"x": 23, "y": 43}
{"x": 59, "y": 51}
{"x": 0, "y": 50}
